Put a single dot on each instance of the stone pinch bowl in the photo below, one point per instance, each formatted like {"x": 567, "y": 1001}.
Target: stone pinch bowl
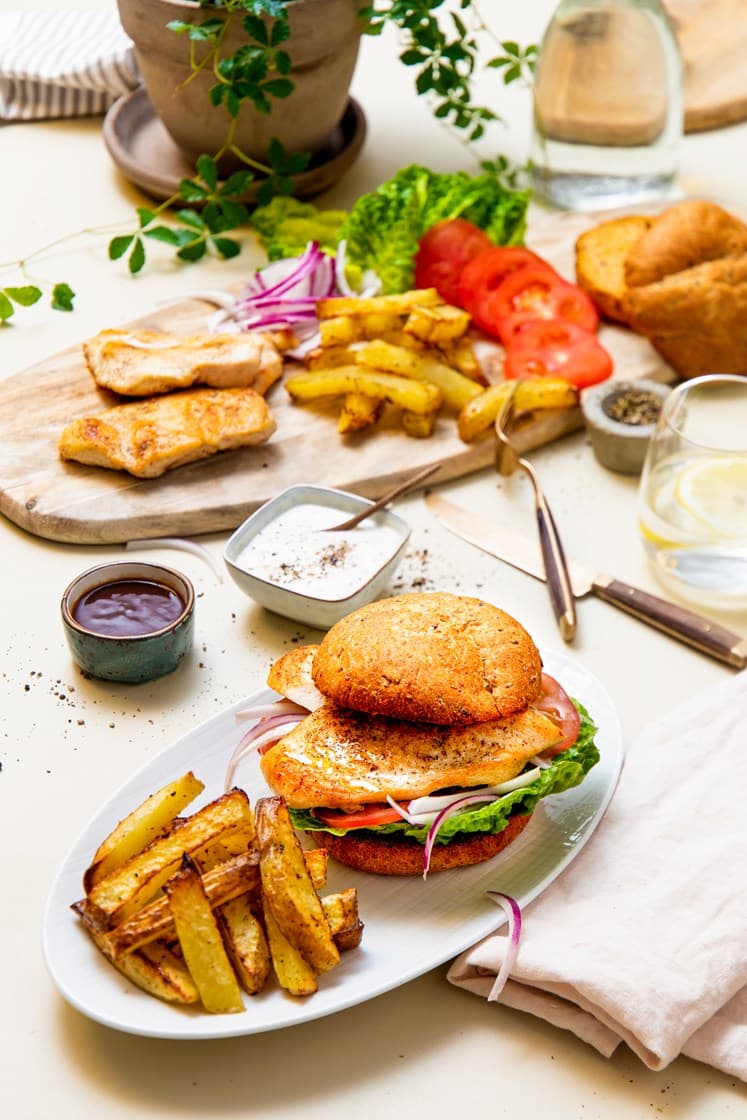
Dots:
{"x": 618, "y": 445}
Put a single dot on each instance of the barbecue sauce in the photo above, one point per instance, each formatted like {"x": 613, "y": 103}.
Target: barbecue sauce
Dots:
{"x": 127, "y": 608}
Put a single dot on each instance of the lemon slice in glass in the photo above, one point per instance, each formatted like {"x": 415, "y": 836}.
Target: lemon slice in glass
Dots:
{"x": 714, "y": 491}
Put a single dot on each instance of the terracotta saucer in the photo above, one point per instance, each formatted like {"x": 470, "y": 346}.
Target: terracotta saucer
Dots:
{"x": 144, "y": 151}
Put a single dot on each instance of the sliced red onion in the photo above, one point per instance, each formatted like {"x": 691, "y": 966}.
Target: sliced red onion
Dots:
{"x": 340, "y": 266}
{"x": 285, "y": 294}
{"x": 371, "y": 282}
{"x": 264, "y": 732}
{"x": 306, "y": 345}
{"x": 224, "y": 322}
{"x": 424, "y": 810}
{"x": 513, "y": 914}
{"x": 400, "y": 809}
{"x": 469, "y": 799}
{"x": 304, "y": 266}
{"x": 541, "y": 762}
{"x": 215, "y": 296}
{"x": 276, "y": 708}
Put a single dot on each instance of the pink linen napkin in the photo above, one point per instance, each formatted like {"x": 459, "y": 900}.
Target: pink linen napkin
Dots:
{"x": 644, "y": 938}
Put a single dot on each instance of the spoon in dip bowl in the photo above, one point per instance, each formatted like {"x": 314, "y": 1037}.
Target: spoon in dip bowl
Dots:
{"x": 402, "y": 488}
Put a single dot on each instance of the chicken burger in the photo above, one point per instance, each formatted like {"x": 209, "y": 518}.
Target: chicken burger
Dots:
{"x": 431, "y": 734}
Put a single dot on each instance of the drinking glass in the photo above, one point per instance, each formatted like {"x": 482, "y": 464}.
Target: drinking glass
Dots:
{"x": 693, "y": 492}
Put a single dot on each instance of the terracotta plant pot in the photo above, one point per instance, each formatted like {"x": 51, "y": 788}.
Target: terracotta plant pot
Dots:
{"x": 323, "y": 45}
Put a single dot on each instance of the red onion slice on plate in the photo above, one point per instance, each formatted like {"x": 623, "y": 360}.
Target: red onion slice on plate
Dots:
{"x": 513, "y": 913}
{"x": 265, "y": 732}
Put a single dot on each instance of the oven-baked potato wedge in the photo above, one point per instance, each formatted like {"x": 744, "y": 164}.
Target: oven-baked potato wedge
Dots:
{"x": 142, "y": 825}
{"x": 287, "y": 886}
{"x": 237, "y": 876}
{"x": 201, "y": 942}
{"x": 138, "y": 880}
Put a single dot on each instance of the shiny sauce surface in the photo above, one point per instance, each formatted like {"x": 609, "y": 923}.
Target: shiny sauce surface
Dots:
{"x": 127, "y": 608}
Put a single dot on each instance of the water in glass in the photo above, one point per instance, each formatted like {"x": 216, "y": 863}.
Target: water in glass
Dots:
{"x": 693, "y": 492}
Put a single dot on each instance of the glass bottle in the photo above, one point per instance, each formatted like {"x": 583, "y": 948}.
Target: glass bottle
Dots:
{"x": 608, "y": 105}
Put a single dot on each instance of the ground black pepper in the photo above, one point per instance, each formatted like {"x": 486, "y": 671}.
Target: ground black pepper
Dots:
{"x": 633, "y": 406}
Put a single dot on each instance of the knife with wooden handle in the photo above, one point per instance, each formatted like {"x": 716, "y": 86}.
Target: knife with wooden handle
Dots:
{"x": 521, "y": 552}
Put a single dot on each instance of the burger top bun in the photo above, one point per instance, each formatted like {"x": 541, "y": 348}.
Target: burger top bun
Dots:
{"x": 433, "y": 658}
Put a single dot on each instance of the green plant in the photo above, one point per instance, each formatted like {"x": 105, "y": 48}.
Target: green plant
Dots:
{"x": 444, "y": 50}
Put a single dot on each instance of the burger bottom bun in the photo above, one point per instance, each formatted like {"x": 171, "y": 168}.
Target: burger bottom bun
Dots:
{"x": 405, "y": 857}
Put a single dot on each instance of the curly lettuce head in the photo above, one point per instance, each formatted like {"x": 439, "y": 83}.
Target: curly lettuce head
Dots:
{"x": 384, "y": 228}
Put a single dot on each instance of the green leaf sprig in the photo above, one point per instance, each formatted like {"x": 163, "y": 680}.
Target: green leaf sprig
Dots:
{"x": 12, "y": 296}
{"x": 447, "y": 58}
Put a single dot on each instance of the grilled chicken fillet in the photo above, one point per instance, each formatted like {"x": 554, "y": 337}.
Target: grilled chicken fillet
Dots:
{"x": 340, "y": 759}
{"x": 149, "y": 437}
{"x": 139, "y": 362}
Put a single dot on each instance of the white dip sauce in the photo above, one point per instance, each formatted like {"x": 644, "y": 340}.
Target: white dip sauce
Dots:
{"x": 294, "y": 552}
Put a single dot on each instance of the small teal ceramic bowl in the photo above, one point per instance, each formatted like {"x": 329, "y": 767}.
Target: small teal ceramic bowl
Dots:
{"x": 129, "y": 621}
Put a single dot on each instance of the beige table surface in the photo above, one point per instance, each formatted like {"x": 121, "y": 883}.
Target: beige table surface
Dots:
{"x": 68, "y": 743}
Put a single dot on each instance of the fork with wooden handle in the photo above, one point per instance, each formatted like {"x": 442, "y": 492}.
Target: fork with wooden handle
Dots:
{"x": 507, "y": 460}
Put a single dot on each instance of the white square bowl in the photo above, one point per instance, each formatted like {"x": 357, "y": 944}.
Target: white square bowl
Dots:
{"x": 312, "y": 610}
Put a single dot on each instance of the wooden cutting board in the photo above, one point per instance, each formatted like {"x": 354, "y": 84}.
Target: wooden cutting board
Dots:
{"x": 713, "y": 40}
{"x": 89, "y": 505}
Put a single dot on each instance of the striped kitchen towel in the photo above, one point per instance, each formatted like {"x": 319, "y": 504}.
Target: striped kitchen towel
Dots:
{"x": 62, "y": 64}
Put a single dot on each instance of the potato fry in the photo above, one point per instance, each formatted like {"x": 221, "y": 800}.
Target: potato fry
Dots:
{"x": 378, "y": 305}
{"x": 222, "y": 883}
{"x": 316, "y": 860}
{"x": 478, "y": 416}
{"x": 245, "y": 942}
{"x": 358, "y": 412}
{"x": 330, "y": 357}
{"x": 287, "y": 886}
{"x": 341, "y": 911}
{"x": 406, "y": 341}
{"x": 155, "y": 969}
{"x": 437, "y": 324}
{"x": 457, "y": 389}
{"x": 340, "y": 331}
{"x": 201, "y": 941}
{"x": 225, "y": 848}
{"x": 461, "y": 356}
{"x": 401, "y": 391}
{"x": 419, "y": 427}
{"x": 292, "y": 971}
{"x": 139, "y": 827}
{"x": 232, "y": 903}
{"x": 545, "y": 392}
{"x": 138, "y": 879}
{"x": 371, "y": 324}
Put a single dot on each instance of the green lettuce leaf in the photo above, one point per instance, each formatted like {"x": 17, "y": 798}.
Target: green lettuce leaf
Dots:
{"x": 567, "y": 770}
{"x": 384, "y": 228}
{"x": 286, "y": 225}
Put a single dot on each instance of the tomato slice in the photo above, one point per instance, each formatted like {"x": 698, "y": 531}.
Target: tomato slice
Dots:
{"x": 444, "y": 251}
{"x": 557, "y": 704}
{"x": 485, "y": 272}
{"x": 530, "y": 293}
{"x": 368, "y": 817}
{"x": 555, "y": 348}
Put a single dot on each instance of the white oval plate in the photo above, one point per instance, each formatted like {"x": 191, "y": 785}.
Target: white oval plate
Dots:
{"x": 411, "y": 926}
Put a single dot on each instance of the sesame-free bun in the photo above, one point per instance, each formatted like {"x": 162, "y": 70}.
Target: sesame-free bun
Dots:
{"x": 291, "y": 677}
{"x": 434, "y": 658}
{"x": 390, "y": 856}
